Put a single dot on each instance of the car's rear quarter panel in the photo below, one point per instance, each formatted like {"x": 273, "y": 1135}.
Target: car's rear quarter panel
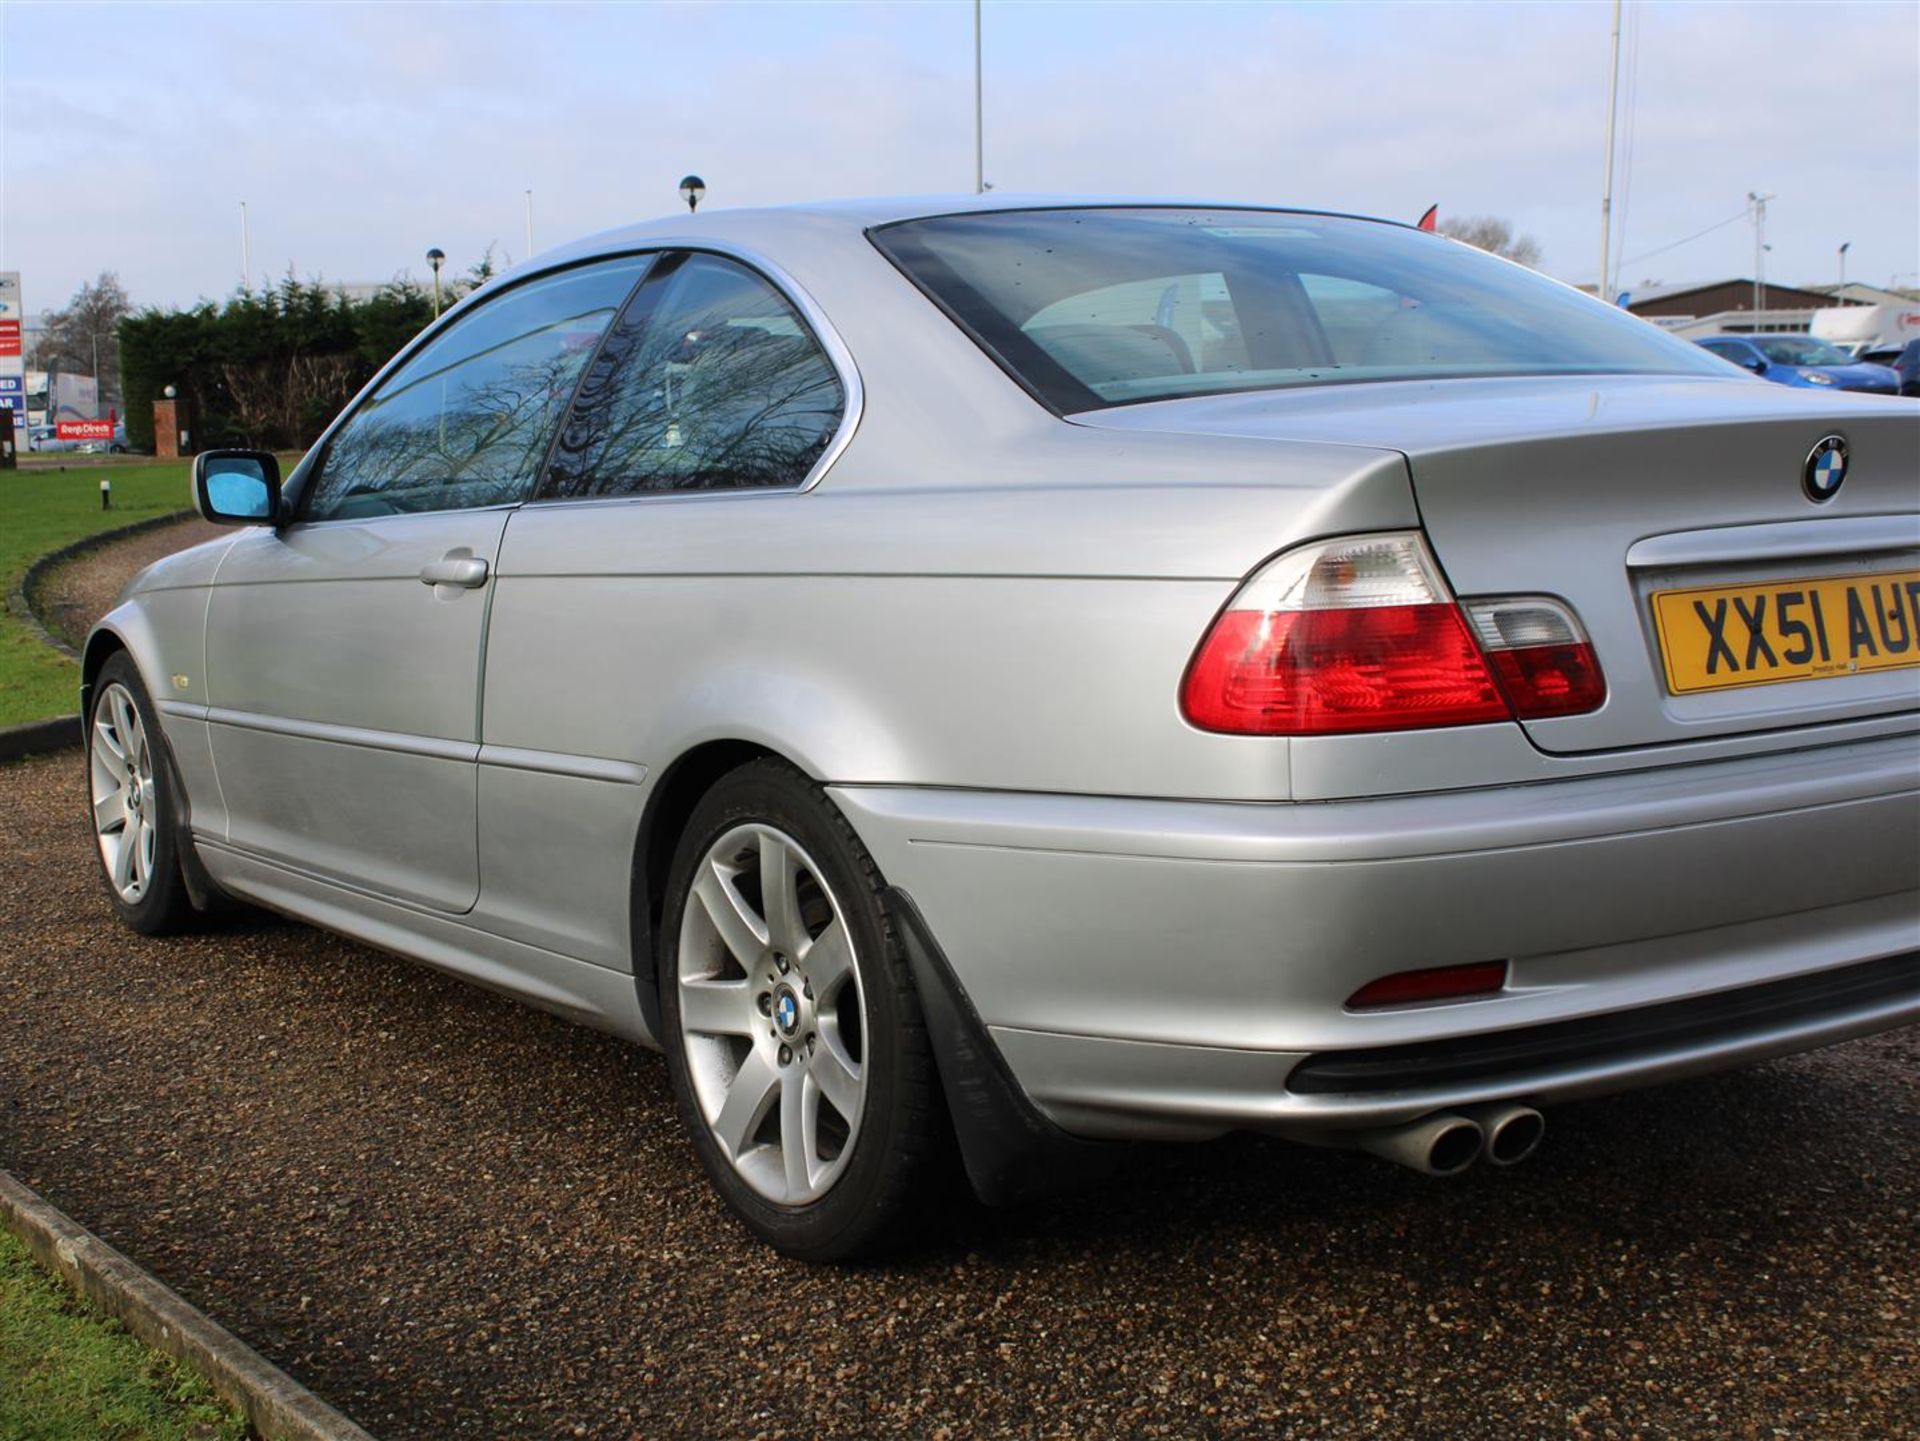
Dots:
{"x": 982, "y": 634}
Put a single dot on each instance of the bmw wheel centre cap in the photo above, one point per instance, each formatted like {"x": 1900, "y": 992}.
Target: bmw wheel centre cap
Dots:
{"x": 1826, "y": 467}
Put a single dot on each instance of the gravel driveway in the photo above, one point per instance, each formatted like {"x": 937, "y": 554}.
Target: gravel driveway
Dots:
{"x": 457, "y": 1217}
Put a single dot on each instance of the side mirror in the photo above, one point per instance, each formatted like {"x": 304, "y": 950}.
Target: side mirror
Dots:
{"x": 237, "y": 487}
{"x": 1757, "y": 364}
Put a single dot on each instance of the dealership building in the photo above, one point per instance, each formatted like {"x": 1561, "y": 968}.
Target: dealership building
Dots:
{"x": 1726, "y": 307}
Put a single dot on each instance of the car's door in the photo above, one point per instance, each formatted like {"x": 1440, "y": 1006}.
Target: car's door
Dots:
{"x": 344, "y": 649}
{"x": 712, "y": 388}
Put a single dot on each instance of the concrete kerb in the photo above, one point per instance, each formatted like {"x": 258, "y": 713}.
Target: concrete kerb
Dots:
{"x": 275, "y": 1405}
{"x": 38, "y": 737}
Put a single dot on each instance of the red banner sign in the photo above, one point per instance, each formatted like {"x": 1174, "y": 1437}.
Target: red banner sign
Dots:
{"x": 9, "y": 337}
{"x": 83, "y": 430}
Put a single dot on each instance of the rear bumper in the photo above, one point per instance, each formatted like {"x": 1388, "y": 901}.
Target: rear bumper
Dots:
{"x": 1163, "y": 968}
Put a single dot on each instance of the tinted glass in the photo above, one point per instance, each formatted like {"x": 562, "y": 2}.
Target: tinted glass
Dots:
{"x": 1105, "y": 307}
{"x": 1800, "y": 350}
{"x": 710, "y": 381}
{"x": 467, "y": 421}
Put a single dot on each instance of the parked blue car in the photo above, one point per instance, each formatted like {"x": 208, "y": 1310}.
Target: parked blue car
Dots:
{"x": 1801, "y": 360}
{"x": 1903, "y": 360}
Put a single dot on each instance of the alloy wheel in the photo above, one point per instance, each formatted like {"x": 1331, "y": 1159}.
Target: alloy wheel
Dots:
{"x": 125, "y": 799}
{"x": 771, "y": 1014}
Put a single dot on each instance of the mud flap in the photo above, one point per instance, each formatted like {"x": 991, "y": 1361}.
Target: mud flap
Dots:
{"x": 1012, "y": 1152}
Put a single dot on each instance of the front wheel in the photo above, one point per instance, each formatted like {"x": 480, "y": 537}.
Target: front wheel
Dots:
{"x": 798, "y": 1054}
{"x": 135, "y": 809}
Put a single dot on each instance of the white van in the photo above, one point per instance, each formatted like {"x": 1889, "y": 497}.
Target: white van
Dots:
{"x": 1855, "y": 328}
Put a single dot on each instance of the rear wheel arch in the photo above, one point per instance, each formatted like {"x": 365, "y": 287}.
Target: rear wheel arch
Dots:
{"x": 670, "y": 805}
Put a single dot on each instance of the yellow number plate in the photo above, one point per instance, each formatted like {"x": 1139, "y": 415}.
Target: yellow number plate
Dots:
{"x": 1734, "y": 635}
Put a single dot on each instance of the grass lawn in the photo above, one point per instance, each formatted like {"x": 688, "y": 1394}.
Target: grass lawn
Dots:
{"x": 42, "y": 510}
{"x": 68, "y": 1372}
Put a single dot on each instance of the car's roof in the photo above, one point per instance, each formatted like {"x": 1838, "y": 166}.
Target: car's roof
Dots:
{"x": 748, "y": 224}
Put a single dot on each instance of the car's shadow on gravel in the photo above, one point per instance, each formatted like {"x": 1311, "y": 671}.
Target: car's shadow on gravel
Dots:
{"x": 1672, "y": 1164}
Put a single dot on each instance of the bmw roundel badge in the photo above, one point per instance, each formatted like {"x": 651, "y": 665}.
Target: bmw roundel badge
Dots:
{"x": 1826, "y": 467}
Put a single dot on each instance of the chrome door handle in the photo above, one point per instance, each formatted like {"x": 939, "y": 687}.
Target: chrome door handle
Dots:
{"x": 465, "y": 571}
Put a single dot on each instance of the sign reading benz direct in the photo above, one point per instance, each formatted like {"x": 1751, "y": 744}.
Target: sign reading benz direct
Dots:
{"x": 83, "y": 430}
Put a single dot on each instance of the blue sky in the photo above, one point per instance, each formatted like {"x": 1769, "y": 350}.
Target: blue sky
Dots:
{"x": 361, "y": 134}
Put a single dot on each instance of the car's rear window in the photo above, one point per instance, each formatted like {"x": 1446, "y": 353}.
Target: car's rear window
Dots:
{"x": 1098, "y": 307}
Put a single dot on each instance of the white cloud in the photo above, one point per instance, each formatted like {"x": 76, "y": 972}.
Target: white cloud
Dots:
{"x": 360, "y": 135}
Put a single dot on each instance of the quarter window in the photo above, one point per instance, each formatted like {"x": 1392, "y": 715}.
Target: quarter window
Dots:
{"x": 710, "y": 381}
{"x": 467, "y": 421}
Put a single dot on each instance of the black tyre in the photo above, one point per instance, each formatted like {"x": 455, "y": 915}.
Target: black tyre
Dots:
{"x": 793, "y": 1035}
{"x": 135, "y": 805}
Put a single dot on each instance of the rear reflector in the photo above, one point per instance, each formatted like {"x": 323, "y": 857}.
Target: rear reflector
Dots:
{"x": 1361, "y": 634}
{"x": 1441, "y": 983}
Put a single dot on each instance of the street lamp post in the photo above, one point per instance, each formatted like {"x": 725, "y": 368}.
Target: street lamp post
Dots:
{"x": 979, "y": 111}
{"x": 1840, "y": 295}
{"x": 692, "y": 190}
{"x": 436, "y": 257}
{"x": 1760, "y": 248}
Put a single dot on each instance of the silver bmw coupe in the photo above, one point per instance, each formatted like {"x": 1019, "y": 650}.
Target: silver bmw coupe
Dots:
{"x": 1032, "y": 676}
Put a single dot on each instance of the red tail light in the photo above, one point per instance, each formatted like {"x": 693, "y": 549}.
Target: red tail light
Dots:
{"x": 1362, "y": 635}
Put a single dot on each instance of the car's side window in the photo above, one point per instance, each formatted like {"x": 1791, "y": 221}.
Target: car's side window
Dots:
{"x": 467, "y": 421}
{"x": 710, "y": 381}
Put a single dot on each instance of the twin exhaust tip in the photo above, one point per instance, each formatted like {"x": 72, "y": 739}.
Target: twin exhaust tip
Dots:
{"x": 1447, "y": 1142}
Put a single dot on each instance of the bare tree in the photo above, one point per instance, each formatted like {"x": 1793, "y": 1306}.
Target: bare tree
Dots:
{"x": 290, "y": 396}
{"x": 1490, "y": 232}
{"x": 85, "y": 330}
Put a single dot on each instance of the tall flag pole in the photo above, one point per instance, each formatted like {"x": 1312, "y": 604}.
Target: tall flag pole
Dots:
{"x": 1605, "y": 288}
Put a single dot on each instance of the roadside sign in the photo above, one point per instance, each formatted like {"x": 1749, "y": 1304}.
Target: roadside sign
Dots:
{"x": 13, "y": 384}
{"x": 83, "y": 430}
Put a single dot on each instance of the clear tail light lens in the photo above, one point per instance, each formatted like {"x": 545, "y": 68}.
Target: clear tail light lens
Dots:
{"x": 1362, "y": 634}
